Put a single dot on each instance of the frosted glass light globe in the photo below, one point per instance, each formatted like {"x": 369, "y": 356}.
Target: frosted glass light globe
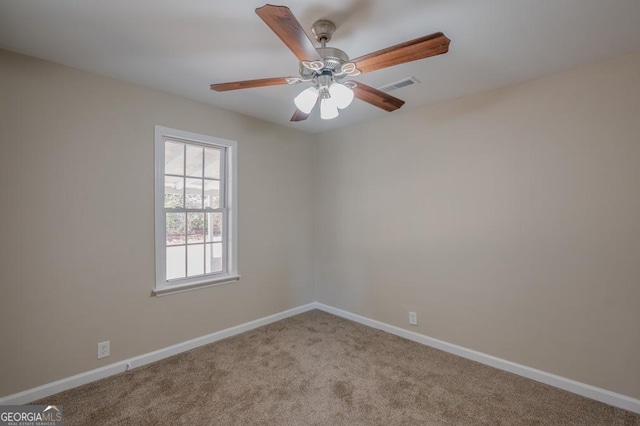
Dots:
{"x": 306, "y": 100}
{"x": 341, "y": 94}
{"x": 328, "y": 109}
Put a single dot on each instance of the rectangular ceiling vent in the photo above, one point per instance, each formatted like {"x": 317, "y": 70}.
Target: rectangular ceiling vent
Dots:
{"x": 400, "y": 84}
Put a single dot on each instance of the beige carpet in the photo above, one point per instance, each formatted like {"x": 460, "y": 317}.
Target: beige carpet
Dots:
{"x": 318, "y": 369}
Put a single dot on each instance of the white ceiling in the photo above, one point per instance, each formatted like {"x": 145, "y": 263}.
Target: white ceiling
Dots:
{"x": 182, "y": 46}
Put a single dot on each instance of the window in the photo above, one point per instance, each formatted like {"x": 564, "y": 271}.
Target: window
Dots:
{"x": 195, "y": 211}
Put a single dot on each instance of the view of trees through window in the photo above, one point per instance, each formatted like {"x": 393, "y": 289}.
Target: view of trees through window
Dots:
{"x": 194, "y": 209}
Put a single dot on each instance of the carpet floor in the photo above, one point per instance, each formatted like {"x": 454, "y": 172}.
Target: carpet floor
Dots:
{"x": 319, "y": 369}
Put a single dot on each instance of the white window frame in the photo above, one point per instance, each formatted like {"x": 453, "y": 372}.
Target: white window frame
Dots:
{"x": 230, "y": 231}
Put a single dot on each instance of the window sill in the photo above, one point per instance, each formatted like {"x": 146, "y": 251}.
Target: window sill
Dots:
{"x": 195, "y": 286}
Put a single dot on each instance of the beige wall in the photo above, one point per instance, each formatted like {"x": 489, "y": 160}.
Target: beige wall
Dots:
{"x": 509, "y": 221}
{"x": 76, "y": 194}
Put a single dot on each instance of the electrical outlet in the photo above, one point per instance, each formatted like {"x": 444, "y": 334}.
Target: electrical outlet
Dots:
{"x": 104, "y": 349}
{"x": 413, "y": 318}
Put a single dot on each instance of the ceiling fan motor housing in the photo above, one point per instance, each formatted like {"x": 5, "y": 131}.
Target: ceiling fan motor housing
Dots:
{"x": 333, "y": 58}
{"x": 332, "y": 61}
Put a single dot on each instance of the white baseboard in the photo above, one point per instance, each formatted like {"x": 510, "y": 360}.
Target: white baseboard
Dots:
{"x": 598, "y": 394}
{"x": 48, "y": 389}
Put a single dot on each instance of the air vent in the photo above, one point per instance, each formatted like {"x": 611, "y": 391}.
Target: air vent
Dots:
{"x": 399, "y": 84}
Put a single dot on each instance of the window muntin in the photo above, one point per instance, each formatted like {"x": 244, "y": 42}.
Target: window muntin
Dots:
{"x": 195, "y": 218}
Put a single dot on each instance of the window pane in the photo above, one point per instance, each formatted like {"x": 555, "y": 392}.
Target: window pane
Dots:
{"x": 195, "y": 227}
{"x": 213, "y": 231}
{"x": 194, "y": 193}
{"x": 173, "y": 196}
{"x": 211, "y": 194}
{"x": 194, "y": 160}
{"x": 175, "y": 231}
{"x": 195, "y": 260}
{"x": 212, "y": 163}
{"x": 213, "y": 258}
{"x": 173, "y": 158}
{"x": 175, "y": 262}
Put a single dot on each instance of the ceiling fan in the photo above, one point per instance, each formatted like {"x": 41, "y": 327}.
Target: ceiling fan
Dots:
{"x": 327, "y": 67}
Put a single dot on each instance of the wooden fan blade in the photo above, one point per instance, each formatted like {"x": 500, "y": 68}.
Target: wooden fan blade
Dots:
{"x": 286, "y": 26}
{"x": 377, "y": 97}
{"x": 299, "y": 116}
{"x": 247, "y": 84}
{"x": 420, "y": 48}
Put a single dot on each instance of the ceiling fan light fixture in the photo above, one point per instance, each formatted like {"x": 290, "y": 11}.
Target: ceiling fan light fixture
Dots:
{"x": 328, "y": 109}
{"x": 325, "y": 66}
{"x": 306, "y": 100}
{"x": 341, "y": 94}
